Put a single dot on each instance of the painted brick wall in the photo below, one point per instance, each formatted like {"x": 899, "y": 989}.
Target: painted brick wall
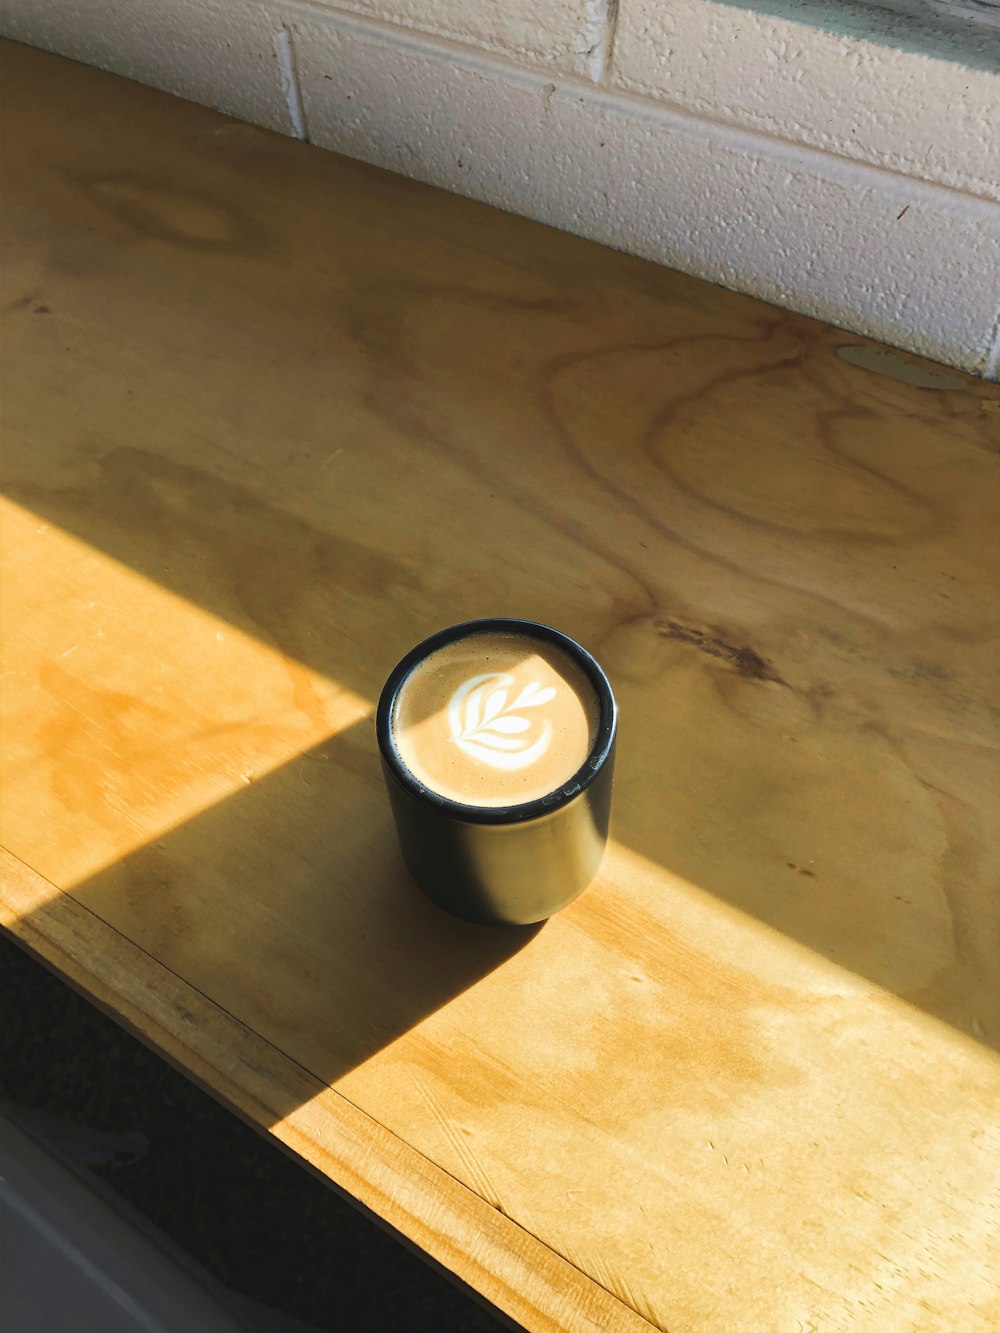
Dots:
{"x": 839, "y": 159}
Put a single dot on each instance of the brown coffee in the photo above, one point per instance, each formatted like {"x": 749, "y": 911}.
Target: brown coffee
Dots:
{"x": 495, "y": 719}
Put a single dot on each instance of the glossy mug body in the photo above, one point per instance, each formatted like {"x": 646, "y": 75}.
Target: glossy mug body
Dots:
{"x": 513, "y": 864}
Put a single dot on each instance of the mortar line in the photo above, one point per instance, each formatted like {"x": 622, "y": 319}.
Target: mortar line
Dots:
{"x": 289, "y": 76}
{"x": 611, "y": 36}
{"x": 992, "y": 368}
{"x": 603, "y": 14}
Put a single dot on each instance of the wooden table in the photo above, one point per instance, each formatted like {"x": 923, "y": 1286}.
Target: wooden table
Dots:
{"x": 271, "y": 417}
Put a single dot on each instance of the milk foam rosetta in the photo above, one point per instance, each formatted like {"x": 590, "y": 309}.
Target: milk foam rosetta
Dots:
{"x": 495, "y": 719}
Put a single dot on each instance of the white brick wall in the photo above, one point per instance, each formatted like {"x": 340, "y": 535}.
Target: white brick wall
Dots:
{"x": 549, "y": 34}
{"x": 219, "y": 52}
{"x": 833, "y": 158}
{"x": 835, "y": 82}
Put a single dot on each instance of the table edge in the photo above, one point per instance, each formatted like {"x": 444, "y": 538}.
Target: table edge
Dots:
{"x": 509, "y": 1267}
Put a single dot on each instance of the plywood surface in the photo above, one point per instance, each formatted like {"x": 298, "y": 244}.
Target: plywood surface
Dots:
{"x": 271, "y": 417}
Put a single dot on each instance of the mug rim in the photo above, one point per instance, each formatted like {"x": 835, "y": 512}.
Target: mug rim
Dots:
{"x": 552, "y": 801}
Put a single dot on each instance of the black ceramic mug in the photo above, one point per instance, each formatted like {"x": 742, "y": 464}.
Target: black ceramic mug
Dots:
{"x": 498, "y": 743}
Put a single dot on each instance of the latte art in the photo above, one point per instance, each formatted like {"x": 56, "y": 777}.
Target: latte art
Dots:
{"x": 489, "y": 729}
{"x": 495, "y": 719}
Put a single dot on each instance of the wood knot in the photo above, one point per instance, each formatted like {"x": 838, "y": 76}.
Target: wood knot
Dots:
{"x": 747, "y": 661}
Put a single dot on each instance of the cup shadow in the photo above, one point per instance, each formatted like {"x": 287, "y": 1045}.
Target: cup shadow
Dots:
{"x": 362, "y": 957}
{"x": 343, "y": 954}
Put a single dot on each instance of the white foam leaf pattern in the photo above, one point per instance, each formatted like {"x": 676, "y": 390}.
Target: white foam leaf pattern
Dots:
{"x": 472, "y": 711}
{"x": 495, "y": 742}
{"x": 494, "y": 704}
{"x": 542, "y": 697}
{"x": 488, "y": 729}
{"x": 509, "y": 724}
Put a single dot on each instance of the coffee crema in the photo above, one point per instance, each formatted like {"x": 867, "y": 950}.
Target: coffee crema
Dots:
{"x": 495, "y": 719}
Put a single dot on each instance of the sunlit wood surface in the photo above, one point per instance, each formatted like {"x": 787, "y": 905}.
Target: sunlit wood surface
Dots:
{"x": 270, "y": 418}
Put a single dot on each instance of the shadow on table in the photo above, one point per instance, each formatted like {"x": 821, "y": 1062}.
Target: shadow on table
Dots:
{"x": 340, "y": 955}
{"x": 334, "y": 953}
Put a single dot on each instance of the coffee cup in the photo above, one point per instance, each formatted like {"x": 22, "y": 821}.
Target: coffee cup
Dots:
{"x": 497, "y": 740}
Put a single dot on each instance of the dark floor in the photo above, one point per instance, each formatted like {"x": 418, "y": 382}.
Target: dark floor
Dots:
{"x": 238, "y": 1204}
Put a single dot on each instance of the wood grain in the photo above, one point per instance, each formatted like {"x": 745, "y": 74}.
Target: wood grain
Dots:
{"x": 271, "y": 417}
{"x": 376, "y": 1169}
